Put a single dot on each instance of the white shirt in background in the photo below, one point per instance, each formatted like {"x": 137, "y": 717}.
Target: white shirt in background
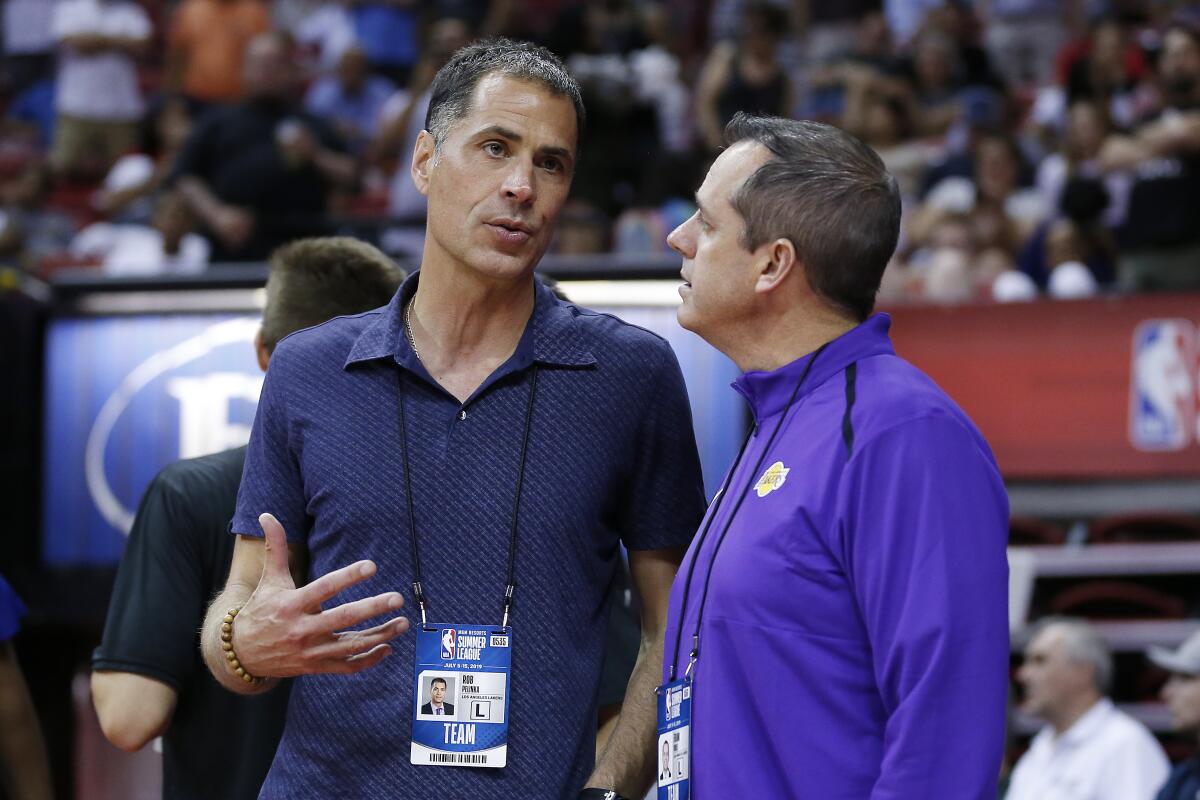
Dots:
{"x": 26, "y": 27}
{"x": 1105, "y": 755}
{"x": 100, "y": 86}
{"x": 137, "y": 250}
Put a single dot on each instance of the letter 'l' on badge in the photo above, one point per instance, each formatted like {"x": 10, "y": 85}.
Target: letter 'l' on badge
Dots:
{"x": 772, "y": 479}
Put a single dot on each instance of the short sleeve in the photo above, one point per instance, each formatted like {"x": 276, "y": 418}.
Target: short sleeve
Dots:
{"x": 271, "y": 480}
{"x": 159, "y": 595}
{"x": 664, "y": 501}
{"x": 11, "y": 611}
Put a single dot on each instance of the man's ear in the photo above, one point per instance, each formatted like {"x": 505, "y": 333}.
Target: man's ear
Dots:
{"x": 260, "y": 349}
{"x": 778, "y": 262}
{"x": 422, "y": 160}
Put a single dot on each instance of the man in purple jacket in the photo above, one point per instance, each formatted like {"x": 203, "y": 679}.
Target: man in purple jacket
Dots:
{"x": 842, "y": 612}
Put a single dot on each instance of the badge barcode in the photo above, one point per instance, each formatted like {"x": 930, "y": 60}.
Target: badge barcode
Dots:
{"x": 457, "y": 758}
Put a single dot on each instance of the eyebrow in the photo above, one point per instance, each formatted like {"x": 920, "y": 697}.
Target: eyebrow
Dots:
{"x": 700, "y": 205}
{"x": 513, "y": 136}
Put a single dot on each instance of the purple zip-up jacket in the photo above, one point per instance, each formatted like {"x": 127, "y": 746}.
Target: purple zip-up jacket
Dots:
{"x": 854, "y": 642}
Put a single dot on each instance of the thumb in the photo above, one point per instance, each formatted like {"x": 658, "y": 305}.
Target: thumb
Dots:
{"x": 275, "y": 565}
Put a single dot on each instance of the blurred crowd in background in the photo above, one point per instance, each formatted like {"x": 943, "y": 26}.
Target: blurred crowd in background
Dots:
{"x": 1043, "y": 147}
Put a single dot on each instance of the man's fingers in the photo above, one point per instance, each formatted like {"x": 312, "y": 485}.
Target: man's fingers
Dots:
{"x": 398, "y": 626}
{"x": 362, "y": 661}
{"x": 355, "y": 643}
{"x": 275, "y": 565}
{"x": 331, "y": 583}
{"x": 350, "y": 614}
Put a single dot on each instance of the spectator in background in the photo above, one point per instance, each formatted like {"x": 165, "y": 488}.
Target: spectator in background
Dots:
{"x": 1003, "y": 214}
{"x": 1161, "y": 237}
{"x": 129, "y": 189}
{"x": 387, "y": 30}
{"x": 28, "y": 44}
{"x": 1105, "y": 72}
{"x": 98, "y": 99}
{"x": 30, "y": 232}
{"x": 261, "y": 172}
{"x": 351, "y": 100}
{"x": 167, "y": 245}
{"x": 1024, "y": 37}
{"x": 1181, "y": 693}
{"x": 1101, "y": 753}
{"x": 24, "y": 767}
{"x": 31, "y": 115}
{"x": 746, "y": 76}
{"x": 148, "y": 679}
{"x": 404, "y": 119}
{"x": 206, "y": 44}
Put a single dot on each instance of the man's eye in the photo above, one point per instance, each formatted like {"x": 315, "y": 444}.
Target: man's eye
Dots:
{"x": 494, "y": 148}
{"x": 552, "y": 165}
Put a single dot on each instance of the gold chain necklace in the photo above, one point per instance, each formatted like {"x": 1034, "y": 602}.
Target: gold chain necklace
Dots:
{"x": 408, "y": 327}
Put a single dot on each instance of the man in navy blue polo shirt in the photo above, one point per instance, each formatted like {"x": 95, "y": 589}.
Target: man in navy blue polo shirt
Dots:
{"x": 483, "y": 442}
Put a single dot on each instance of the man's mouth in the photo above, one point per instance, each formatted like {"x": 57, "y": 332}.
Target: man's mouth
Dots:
{"x": 510, "y": 231}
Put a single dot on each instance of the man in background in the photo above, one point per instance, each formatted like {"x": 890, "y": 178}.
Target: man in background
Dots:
{"x": 1088, "y": 747}
{"x": 205, "y": 46}
{"x": 260, "y": 173}
{"x": 148, "y": 678}
{"x": 98, "y": 100}
{"x": 1181, "y": 693}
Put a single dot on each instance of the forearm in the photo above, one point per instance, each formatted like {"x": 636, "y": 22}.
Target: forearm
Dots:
{"x": 337, "y": 167}
{"x": 234, "y": 595}
{"x": 199, "y": 198}
{"x": 133, "y": 709}
{"x": 627, "y": 763}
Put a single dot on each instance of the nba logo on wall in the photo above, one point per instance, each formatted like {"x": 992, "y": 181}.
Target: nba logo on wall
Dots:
{"x": 1163, "y": 386}
{"x": 448, "y": 644}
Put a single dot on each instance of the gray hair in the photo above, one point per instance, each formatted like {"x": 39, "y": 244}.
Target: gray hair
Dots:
{"x": 829, "y": 195}
{"x": 450, "y": 94}
{"x": 1082, "y": 645}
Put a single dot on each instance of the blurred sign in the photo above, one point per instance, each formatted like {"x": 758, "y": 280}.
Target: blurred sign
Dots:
{"x": 127, "y": 395}
{"x": 1104, "y": 389}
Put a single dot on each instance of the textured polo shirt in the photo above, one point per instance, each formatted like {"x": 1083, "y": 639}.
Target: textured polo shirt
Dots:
{"x": 611, "y": 458}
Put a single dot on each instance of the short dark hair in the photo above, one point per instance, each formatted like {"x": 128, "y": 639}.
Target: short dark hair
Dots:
{"x": 313, "y": 280}
{"x": 450, "y": 94}
{"x": 442, "y": 681}
{"x": 830, "y": 196}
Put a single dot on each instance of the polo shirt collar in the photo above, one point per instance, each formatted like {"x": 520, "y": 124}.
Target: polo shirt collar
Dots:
{"x": 768, "y": 392}
{"x": 553, "y": 335}
{"x": 1086, "y": 726}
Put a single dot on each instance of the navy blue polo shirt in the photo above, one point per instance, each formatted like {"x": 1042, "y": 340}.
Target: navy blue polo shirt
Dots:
{"x": 612, "y": 458}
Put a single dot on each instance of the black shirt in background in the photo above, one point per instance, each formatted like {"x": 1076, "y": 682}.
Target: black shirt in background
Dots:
{"x": 219, "y": 745}
{"x": 235, "y": 150}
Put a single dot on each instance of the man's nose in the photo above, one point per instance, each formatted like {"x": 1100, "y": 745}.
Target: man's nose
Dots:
{"x": 519, "y": 183}
{"x": 680, "y": 242}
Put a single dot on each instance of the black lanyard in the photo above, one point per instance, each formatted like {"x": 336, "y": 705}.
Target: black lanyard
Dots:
{"x": 510, "y": 584}
{"x": 687, "y": 586}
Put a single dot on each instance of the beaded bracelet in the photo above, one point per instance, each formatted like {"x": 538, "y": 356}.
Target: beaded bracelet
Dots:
{"x": 227, "y": 646}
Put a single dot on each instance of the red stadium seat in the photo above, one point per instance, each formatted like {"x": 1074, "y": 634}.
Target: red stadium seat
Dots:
{"x": 1117, "y": 600}
{"x": 1024, "y": 531}
{"x": 1145, "y": 528}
